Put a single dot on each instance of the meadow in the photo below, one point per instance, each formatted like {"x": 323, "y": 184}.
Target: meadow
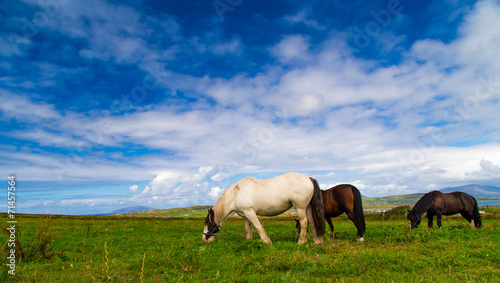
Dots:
{"x": 153, "y": 249}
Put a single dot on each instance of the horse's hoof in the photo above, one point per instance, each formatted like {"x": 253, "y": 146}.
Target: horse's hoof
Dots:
{"x": 361, "y": 239}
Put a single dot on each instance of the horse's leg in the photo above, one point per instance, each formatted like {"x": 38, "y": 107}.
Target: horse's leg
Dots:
{"x": 248, "y": 228}
{"x": 469, "y": 217}
{"x": 430, "y": 218}
{"x": 252, "y": 218}
{"x": 302, "y": 214}
{"x": 439, "y": 216}
{"x": 352, "y": 216}
{"x": 329, "y": 220}
{"x": 317, "y": 239}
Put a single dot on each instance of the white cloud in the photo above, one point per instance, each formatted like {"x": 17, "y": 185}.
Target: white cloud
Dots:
{"x": 24, "y": 109}
{"x": 303, "y": 17}
{"x": 307, "y": 104}
{"x": 146, "y": 190}
{"x": 488, "y": 169}
{"x": 292, "y": 49}
{"x": 165, "y": 183}
{"x": 180, "y": 186}
{"x": 233, "y": 46}
{"x": 480, "y": 40}
{"x": 215, "y": 192}
{"x": 219, "y": 177}
{"x": 133, "y": 189}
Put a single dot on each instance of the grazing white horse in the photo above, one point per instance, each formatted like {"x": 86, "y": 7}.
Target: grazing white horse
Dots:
{"x": 269, "y": 197}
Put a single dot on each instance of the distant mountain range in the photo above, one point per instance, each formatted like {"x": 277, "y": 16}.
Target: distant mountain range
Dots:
{"x": 474, "y": 190}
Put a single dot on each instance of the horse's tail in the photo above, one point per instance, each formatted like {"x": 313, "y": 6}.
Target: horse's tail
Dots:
{"x": 477, "y": 215}
{"x": 359, "y": 216}
{"x": 318, "y": 210}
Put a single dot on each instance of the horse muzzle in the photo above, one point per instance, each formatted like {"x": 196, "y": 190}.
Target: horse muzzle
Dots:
{"x": 210, "y": 239}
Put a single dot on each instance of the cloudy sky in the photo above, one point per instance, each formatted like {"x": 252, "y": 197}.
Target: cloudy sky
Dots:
{"x": 110, "y": 104}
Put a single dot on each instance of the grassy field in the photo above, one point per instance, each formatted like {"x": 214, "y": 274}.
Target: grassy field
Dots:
{"x": 154, "y": 249}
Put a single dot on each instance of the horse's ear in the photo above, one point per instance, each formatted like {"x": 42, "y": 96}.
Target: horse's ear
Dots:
{"x": 408, "y": 210}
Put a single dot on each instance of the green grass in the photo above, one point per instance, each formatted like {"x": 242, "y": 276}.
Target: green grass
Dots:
{"x": 192, "y": 212}
{"x": 170, "y": 250}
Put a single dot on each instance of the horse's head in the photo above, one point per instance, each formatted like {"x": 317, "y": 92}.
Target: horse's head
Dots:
{"x": 413, "y": 218}
{"x": 211, "y": 228}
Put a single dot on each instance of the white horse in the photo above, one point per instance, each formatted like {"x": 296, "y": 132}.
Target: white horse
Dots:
{"x": 269, "y": 197}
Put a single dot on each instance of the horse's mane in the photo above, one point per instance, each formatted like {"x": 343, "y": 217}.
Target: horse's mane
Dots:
{"x": 427, "y": 200}
{"x": 220, "y": 208}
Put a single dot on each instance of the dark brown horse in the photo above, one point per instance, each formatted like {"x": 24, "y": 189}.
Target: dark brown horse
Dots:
{"x": 438, "y": 203}
{"x": 344, "y": 199}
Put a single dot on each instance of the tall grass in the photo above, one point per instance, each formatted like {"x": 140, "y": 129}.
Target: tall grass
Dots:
{"x": 38, "y": 247}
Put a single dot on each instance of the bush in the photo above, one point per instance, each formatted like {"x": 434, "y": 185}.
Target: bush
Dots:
{"x": 397, "y": 212}
{"x": 40, "y": 246}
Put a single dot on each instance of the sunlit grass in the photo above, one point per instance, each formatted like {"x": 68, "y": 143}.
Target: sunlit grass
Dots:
{"x": 171, "y": 250}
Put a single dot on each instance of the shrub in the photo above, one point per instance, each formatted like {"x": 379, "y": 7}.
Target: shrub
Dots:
{"x": 40, "y": 245}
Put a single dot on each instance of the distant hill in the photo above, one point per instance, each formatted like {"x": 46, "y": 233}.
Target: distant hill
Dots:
{"x": 131, "y": 209}
{"x": 474, "y": 190}
{"x": 391, "y": 201}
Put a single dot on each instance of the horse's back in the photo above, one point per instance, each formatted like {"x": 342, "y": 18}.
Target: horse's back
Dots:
{"x": 286, "y": 184}
{"x": 274, "y": 195}
{"x": 290, "y": 186}
{"x": 338, "y": 199}
{"x": 458, "y": 201}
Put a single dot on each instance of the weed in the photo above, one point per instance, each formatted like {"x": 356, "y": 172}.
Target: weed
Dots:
{"x": 40, "y": 246}
{"x": 142, "y": 268}
{"x": 107, "y": 259}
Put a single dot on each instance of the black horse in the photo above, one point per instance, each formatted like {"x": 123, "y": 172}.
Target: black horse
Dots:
{"x": 343, "y": 199}
{"x": 438, "y": 203}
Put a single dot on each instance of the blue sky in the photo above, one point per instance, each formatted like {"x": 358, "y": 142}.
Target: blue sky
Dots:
{"x": 109, "y": 104}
